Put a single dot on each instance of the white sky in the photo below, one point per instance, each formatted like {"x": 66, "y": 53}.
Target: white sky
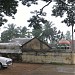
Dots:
{"x": 23, "y": 14}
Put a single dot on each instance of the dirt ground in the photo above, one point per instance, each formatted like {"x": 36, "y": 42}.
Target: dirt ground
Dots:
{"x": 38, "y": 69}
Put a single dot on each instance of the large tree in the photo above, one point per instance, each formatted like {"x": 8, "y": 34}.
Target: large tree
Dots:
{"x": 47, "y": 33}
{"x": 60, "y": 7}
{"x": 8, "y": 8}
{"x": 68, "y": 7}
{"x": 9, "y": 33}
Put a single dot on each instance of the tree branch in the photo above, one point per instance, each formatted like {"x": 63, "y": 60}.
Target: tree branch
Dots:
{"x": 45, "y": 6}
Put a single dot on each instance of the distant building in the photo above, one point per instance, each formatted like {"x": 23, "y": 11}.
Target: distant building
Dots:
{"x": 64, "y": 41}
{"x": 64, "y": 44}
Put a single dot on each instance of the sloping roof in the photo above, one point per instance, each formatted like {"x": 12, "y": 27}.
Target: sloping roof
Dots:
{"x": 23, "y": 41}
{"x": 20, "y": 41}
{"x": 37, "y": 39}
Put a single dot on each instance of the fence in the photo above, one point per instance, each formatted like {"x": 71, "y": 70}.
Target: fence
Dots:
{"x": 48, "y": 57}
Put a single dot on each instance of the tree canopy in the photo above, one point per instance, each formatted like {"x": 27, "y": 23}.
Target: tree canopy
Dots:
{"x": 60, "y": 7}
{"x": 13, "y": 32}
{"x": 8, "y": 8}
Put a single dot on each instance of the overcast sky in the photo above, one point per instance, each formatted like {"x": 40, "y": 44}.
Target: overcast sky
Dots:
{"x": 23, "y": 14}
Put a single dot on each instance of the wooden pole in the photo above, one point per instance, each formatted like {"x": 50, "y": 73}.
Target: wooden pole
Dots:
{"x": 72, "y": 58}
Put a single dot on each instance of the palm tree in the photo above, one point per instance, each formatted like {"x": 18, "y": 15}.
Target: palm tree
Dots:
{"x": 48, "y": 31}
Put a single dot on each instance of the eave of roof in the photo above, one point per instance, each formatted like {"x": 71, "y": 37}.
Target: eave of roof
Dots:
{"x": 10, "y": 51}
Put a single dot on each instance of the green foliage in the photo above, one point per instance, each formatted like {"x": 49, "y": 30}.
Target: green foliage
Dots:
{"x": 29, "y": 2}
{"x": 61, "y": 7}
{"x": 36, "y": 22}
{"x": 36, "y": 32}
{"x": 2, "y": 20}
{"x": 68, "y": 35}
{"x": 4, "y": 36}
{"x": 9, "y": 33}
{"x": 67, "y": 7}
{"x": 8, "y": 8}
{"x": 22, "y": 31}
{"x": 47, "y": 32}
{"x": 13, "y": 32}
